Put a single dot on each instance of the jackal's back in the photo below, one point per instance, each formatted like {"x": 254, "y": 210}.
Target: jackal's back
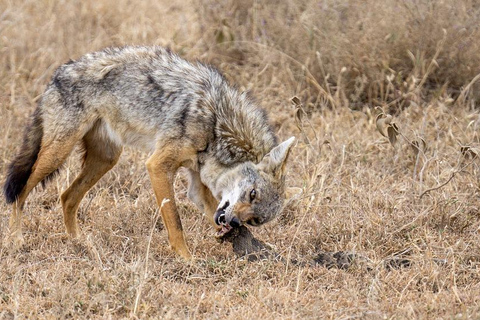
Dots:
{"x": 149, "y": 94}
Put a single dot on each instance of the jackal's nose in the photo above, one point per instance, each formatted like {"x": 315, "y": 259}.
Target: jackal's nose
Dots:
{"x": 234, "y": 223}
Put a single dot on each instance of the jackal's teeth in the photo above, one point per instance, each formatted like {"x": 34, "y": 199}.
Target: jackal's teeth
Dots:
{"x": 222, "y": 232}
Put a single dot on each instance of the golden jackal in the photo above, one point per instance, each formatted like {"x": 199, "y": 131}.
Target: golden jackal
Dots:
{"x": 184, "y": 114}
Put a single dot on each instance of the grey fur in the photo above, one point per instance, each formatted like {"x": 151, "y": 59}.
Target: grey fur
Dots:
{"x": 150, "y": 98}
{"x": 155, "y": 87}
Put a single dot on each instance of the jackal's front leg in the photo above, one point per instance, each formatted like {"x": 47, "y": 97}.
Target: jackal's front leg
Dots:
{"x": 162, "y": 167}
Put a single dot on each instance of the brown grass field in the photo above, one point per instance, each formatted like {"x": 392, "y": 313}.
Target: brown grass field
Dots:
{"x": 413, "y": 196}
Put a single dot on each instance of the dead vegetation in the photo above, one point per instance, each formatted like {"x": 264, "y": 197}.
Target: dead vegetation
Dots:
{"x": 386, "y": 167}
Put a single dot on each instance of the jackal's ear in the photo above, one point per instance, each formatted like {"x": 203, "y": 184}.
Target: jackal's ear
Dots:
{"x": 274, "y": 162}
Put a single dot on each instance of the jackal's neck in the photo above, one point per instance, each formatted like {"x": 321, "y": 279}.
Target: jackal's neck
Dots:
{"x": 212, "y": 173}
{"x": 241, "y": 131}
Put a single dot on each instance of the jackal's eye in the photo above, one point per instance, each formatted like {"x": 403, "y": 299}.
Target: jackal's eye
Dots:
{"x": 253, "y": 194}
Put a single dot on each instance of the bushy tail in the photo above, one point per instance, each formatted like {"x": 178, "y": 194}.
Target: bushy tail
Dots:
{"x": 21, "y": 167}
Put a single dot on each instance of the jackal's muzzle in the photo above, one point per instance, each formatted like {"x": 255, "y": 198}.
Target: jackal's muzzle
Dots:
{"x": 226, "y": 222}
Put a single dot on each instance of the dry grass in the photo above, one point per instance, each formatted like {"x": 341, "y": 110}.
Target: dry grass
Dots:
{"x": 361, "y": 51}
{"x": 359, "y": 193}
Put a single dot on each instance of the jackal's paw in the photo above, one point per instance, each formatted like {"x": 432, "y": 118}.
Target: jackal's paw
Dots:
{"x": 186, "y": 255}
{"x": 14, "y": 241}
{"x": 182, "y": 251}
{"x": 73, "y": 230}
{"x": 74, "y": 234}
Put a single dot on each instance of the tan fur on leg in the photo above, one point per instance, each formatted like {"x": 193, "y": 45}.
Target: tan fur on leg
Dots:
{"x": 49, "y": 159}
{"x": 100, "y": 157}
{"x": 162, "y": 166}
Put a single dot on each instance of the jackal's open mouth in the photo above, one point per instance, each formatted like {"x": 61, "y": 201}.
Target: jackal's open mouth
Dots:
{"x": 220, "y": 220}
{"x": 226, "y": 228}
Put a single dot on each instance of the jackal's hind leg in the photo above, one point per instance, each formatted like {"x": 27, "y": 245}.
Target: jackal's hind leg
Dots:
{"x": 100, "y": 156}
{"x": 15, "y": 238}
{"x": 50, "y": 158}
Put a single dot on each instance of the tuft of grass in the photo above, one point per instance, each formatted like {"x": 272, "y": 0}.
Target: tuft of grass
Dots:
{"x": 387, "y": 163}
{"x": 350, "y": 53}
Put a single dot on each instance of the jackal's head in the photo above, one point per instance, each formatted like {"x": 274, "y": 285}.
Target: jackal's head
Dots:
{"x": 252, "y": 193}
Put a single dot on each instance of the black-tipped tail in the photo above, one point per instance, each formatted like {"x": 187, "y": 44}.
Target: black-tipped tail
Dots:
{"x": 21, "y": 167}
